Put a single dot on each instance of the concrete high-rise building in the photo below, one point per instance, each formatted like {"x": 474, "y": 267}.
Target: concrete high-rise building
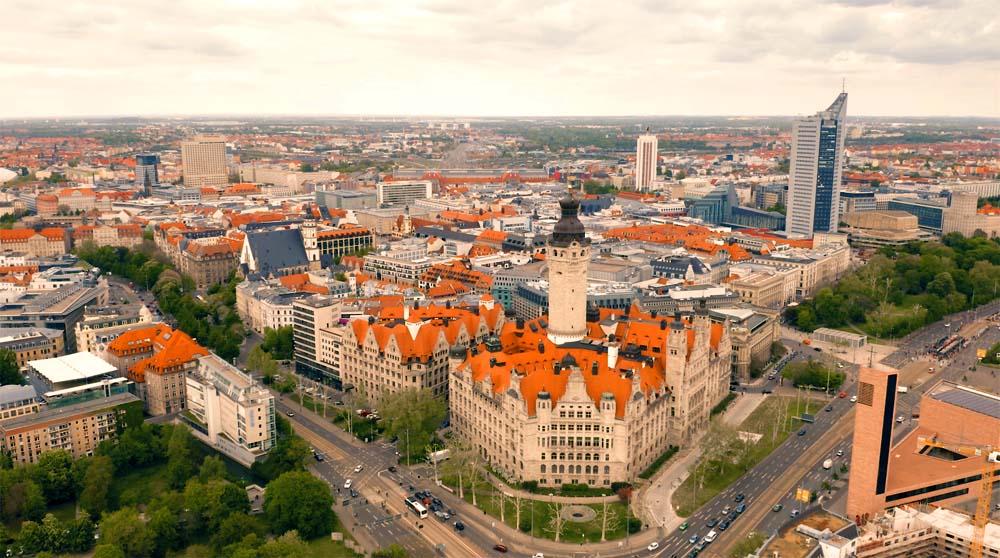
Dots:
{"x": 645, "y": 161}
{"x": 146, "y": 172}
{"x": 568, "y": 259}
{"x": 404, "y": 192}
{"x": 817, "y": 160}
{"x": 204, "y": 161}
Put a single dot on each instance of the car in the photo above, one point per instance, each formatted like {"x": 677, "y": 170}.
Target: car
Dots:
{"x": 693, "y": 539}
{"x": 683, "y": 526}
{"x": 795, "y": 513}
{"x": 653, "y": 546}
{"x": 724, "y": 525}
{"x": 777, "y": 508}
{"x": 354, "y": 493}
{"x": 392, "y": 468}
{"x": 501, "y": 548}
{"x": 319, "y": 457}
{"x": 842, "y": 394}
{"x": 840, "y": 453}
{"x": 538, "y": 555}
{"x": 459, "y": 526}
{"x": 290, "y": 414}
{"x": 829, "y": 408}
{"x": 840, "y": 365}
{"x": 854, "y": 399}
{"x": 712, "y": 523}
{"x": 740, "y": 497}
{"x": 900, "y": 418}
{"x": 802, "y": 432}
{"x": 358, "y": 469}
{"x": 725, "y": 510}
{"x": 347, "y": 502}
{"x": 733, "y": 515}
{"x": 741, "y": 508}
{"x": 347, "y": 484}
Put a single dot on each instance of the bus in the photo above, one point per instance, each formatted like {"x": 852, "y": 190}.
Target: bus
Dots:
{"x": 417, "y": 508}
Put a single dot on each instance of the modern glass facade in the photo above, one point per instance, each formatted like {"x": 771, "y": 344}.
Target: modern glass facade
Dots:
{"x": 930, "y": 215}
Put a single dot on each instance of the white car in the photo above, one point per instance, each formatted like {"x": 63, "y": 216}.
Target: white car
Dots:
{"x": 854, "y": 399}
{"x": 538, "y": 555}
{"x": 900, "y": 418}
{"x": 358, "y": 469}
{"x": 347, "y": 484}
{"x": 653, "y": 546}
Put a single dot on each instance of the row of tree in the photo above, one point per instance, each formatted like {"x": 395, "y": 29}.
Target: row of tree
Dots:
{"x": 903, "y": 289}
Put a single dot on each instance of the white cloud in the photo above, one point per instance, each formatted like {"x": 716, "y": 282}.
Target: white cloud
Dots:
{"x": 504, "y": 57}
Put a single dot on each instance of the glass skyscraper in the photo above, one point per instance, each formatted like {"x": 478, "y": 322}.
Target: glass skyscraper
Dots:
{"x": 817, "y": 160}
{"x": 146, "y": 172}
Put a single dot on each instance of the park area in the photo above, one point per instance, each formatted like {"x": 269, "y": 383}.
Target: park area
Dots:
{"x": 727, "y": 455}
{"x": 574, "y": 523}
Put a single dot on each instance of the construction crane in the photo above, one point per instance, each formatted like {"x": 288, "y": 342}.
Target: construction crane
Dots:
{"x": 992, "y": 458}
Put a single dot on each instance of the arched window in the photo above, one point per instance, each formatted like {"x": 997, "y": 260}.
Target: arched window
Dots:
{"x": 607, "y": 470}
{"x": 543, "y": 468}
{"x": 562, "y": 469}
{"x": 578, "y": 469}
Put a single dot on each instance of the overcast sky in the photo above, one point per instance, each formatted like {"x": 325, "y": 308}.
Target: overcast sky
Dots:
{"x": 498, "y": 57}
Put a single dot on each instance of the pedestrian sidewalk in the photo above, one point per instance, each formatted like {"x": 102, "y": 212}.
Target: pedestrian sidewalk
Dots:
{"x": 517, "y": 492}
{"x": 657, "y": 502}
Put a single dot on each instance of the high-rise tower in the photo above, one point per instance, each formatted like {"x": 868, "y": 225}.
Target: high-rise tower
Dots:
{"x": 645, "y": 161}
{"x": 146, "y": 172}
{"x": 568, "y": 259}
{"x": 204, "y": 161}
{"x": 816, "y": 163}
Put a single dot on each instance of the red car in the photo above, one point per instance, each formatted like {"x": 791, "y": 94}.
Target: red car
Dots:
{"x": 500, "y": 548}
{"x": 842, "y": 395}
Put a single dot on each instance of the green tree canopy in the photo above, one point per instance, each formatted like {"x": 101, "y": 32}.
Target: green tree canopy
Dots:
{"x": 96, "y": 484}
{"x": 125, "y": 530}
{"x": 10, "y": 372}
{"x": 301, "y": 502}
{"x": 414, "y": 416}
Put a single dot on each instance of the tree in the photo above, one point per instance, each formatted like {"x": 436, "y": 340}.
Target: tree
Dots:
{"x": 164, "y": 526}
{"x": 179, "y": 466}
{"x": 10, "y": 373}
{"x": 288, "y": 545}
{"x": 261, "y": 360}
{"x": 24, "y": 499}
{"x": 413, "y": 415}
{"x": 306, "y": 167}
{"x": 279, "y": 342}
{"x": 235, "y": 527}
{"x": 212, "y": 467}
{"x": 96, "y": 483}
{"x": 289, "y": 454}
{"x": 460, "y": 458}
{"x": 125, "y": 530}
{"x": 299, "y": 501}
{"x": 54, "y": 473}
{"x": 214, "y": 501}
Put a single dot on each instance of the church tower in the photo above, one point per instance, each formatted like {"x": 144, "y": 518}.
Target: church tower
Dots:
{"x": 568, "y": 259}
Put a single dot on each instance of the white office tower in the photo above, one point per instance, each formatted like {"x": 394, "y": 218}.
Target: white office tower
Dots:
{"x": 204, "y": 161}
{"x": 645, "y": 161}
{"x": 817, "y": 160}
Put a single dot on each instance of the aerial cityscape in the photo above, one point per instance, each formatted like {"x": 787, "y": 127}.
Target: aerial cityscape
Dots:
{"x": 351, "y": 280}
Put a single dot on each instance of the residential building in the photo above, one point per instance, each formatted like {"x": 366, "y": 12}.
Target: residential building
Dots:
{"x": 229, "y": 411}
{"x": 204, "y": 161}
{"x": 51, "y": 241}
{"x": 17, "y": 401}
{"x": 77, "y": 428}
{"x": 32, "y": 343}
{"x": 645, "y": 161}
{"x": 817, "y": 161}
{"x": 118, "y": 236}
{"x": 100, "y": 325}
{"x": 157, "y": 360}
{"x": 208, "y": 261}
{"x": 263, "y": 305}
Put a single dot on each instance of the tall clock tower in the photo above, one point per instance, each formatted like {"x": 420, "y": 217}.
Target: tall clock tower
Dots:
{"x": 568, "y": 259}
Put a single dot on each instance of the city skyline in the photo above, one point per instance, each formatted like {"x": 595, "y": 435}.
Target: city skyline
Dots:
{"x": 448, "y": 58}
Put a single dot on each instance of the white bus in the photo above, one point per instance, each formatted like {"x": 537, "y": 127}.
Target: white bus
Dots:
{"x": 417, "y": 508}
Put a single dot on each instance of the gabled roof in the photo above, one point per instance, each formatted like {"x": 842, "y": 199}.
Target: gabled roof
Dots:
{"x": 278, "y": 249}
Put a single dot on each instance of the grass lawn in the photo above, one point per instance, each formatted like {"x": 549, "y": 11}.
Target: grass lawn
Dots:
{"x": 362, "y": 428}
{"x": 713, "y": 478}
{"x": 538, "y": 518}
{"x": 323, "y": 547}
{"x": 749, "y": 545}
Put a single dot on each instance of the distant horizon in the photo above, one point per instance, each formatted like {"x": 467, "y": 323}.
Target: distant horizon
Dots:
{"x": 460, "y": 117}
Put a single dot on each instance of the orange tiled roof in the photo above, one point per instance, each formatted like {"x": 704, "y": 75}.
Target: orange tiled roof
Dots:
{"x": 300, "y": 282}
